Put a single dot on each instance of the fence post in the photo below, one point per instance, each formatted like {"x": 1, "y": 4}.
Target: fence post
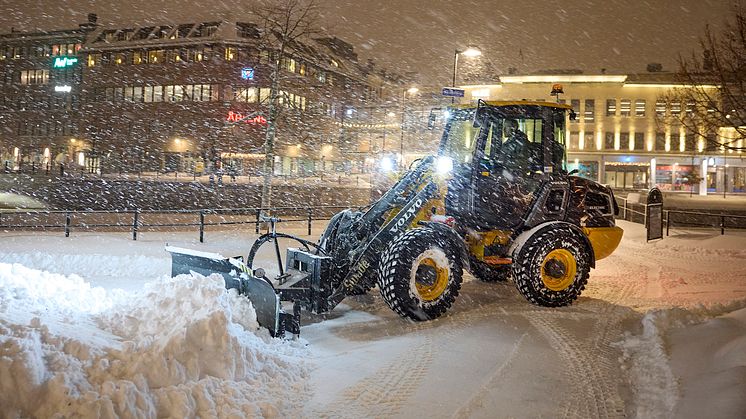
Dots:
{"x": 668, "y": 222}
{"x": 258, "y": 217}
{"x": 201, "y": 226}
{"x": 722, "y": 224}
{"x": 67, "y": 223}
{"x": 135, "y": 222}
{"x": 310, "y": 218}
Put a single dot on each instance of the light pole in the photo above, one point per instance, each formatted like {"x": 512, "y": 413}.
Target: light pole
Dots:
{"x": 411, "y": 91}
{"x": 468, "y": 52}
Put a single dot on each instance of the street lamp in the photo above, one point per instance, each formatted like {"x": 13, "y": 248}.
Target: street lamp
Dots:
{"x": 468, "y": 52}
{"x": 412, "y": 90}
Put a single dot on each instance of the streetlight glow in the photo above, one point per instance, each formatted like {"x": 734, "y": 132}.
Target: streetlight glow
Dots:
{"x": 471, "y": 52}
{"x": 412, "y": 90}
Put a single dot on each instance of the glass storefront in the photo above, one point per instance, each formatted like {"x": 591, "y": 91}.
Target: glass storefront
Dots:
{"x": 676, "y": 177}
{"x": 627, "y": 176}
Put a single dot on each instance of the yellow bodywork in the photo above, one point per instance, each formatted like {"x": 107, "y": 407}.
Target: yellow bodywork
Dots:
{"x": 603, "y": 239}
{"x": 478, "y": 241}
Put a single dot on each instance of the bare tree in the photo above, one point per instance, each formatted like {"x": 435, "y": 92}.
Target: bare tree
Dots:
{"x": 714, "y": 96}
{"x": 284, "y": 25}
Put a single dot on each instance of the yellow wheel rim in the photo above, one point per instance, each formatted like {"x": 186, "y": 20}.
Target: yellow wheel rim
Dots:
{"x": 430, "y": 281}
{"x": 558, "y": 269}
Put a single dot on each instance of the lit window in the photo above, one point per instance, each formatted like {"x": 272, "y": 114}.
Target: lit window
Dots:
{"x": 640, "y": 108}
{"x": 625, "y": 107}
{"x": 137, "y": 57}
{"x": 675, "y": 108}
{"x": 230, "y": 53}
{"x": 157, "y": 93}
{"x": 34, "y": 77}
{"x": 155, "y": 56}
{"x": 93, "y": 59}
{"x": 610, "y": 107}
{"x": 660, "y": 107}
{"x": 263, "y": 95}
{"x": 590, "y": 106}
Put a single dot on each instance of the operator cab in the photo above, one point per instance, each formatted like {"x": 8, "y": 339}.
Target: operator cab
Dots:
{"x": 501, "y": 153}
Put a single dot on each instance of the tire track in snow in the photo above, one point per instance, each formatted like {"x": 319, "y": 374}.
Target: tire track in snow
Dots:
{"x": 590, "y": 372}
{"x": 465, "y": 411}
{"x": 384, "y": 393}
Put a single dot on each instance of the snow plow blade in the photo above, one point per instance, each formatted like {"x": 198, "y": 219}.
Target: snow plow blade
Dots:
{"x": 263, "y": 297}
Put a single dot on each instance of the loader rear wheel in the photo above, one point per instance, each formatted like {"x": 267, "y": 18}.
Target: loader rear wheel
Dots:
{"x": 552, "y": 267}
{"x": 489, "y": 273}
{"x": 420, "y": 274}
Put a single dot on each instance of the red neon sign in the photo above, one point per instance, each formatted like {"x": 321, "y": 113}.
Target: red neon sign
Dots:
{"x": 238, "y": 117}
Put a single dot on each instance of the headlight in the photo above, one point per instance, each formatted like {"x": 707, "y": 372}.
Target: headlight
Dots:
{"x": 387, "y": 165}
{"x": 444, "y": 165}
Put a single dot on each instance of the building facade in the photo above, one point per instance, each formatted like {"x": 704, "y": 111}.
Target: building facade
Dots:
{"x": 627, "y": 133}
{"x": 187, "y": 98}
{"x": 40, "y": 96}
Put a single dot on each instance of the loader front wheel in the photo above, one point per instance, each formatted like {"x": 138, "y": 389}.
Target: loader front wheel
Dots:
{"x": 420, "y": 274}
{"x": 552, "y": 267}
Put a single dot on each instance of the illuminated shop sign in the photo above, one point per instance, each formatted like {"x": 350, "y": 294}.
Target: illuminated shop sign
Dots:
{"x": 238, "y": 117}
{"x": 63, "y": 89}
{"x": 63, "y": 62}
{"x": 247, "y": 73}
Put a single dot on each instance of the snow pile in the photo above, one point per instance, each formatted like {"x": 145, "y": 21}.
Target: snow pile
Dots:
{"x": 688, "y": 364}
{"x": 182, "y": 347}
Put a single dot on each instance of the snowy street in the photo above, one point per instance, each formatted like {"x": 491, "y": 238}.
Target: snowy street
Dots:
{"x": 493, "y": 355}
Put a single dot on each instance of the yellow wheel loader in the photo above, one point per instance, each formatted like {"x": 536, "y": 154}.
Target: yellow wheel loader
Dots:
{"x": 497, "y": 200}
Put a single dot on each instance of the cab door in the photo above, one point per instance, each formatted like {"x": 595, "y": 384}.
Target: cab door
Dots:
{"x": 503, "y": 189}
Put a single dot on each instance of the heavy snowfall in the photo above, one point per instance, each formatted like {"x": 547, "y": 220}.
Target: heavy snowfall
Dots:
{"x": 93, "y": 326}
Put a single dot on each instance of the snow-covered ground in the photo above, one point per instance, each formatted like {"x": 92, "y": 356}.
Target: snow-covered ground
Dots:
{"x": 91, "y": 325}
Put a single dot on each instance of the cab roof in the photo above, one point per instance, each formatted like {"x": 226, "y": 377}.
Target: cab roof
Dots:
{"x": 501, "y": 103}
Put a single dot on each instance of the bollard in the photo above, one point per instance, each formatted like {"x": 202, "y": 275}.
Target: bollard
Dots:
{"x": 201, "y": 226}
{"x": 135, "y": 217}
{"x": 310, "y": 218}
{"x": 67, "y": 223}
{"x": 722, "y": 225}
{"x": 258, "y": 216}
{"x": 668, "y": 222}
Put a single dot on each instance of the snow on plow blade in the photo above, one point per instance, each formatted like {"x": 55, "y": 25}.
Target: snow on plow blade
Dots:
{"x": 236, "y": 274}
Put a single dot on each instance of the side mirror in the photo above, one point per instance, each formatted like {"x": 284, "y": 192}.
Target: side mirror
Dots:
{"x": 573, "y": 171}
{"x": 431, "y": 118}
{"x": 573, "y": 115}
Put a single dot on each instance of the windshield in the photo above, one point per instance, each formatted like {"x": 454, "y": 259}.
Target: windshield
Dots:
{"x": 459, "y": 136}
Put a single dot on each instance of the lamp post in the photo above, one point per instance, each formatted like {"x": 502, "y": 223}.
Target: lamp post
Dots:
{"x": 411, "y": 91}
{"x": 468, "y": 52}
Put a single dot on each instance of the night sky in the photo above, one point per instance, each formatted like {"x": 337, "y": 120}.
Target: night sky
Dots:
{"x": 421, "y": 35}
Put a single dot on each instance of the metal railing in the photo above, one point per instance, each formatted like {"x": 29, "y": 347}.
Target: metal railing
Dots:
{"x": 636, "y": 212}
{"x": 136, "y": 220}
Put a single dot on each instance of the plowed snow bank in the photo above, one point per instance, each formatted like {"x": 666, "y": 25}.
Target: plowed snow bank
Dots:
{"x": 181, "y": 347}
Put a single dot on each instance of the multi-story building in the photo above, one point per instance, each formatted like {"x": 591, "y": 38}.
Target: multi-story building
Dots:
{"x": 40, "y": 96}
{"x": 194, "y": 97}
{"x": 627, "y": 134}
